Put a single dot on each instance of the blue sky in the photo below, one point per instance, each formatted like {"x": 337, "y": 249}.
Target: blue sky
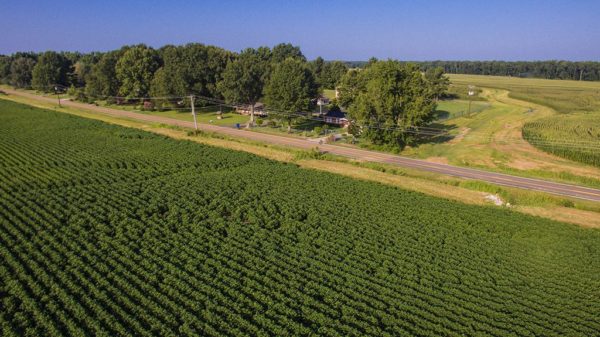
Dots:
{"x": 348, "y": 30}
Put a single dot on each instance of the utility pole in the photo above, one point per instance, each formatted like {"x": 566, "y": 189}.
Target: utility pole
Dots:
{"x": 471, "y": 93}
{"x": 194, "y": 112}
{"x": 469, "y": 111}
{"x": 57, "y": 95}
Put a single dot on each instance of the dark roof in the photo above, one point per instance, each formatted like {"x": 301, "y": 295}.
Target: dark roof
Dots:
{"x": 336, "y": 114}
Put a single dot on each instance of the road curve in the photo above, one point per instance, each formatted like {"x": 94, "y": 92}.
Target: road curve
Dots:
{"x": 354, "y": 153}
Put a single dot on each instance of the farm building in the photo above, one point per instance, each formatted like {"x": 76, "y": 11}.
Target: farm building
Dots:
{"x": 336, "y": 117}
{"x": 259, "y": 109}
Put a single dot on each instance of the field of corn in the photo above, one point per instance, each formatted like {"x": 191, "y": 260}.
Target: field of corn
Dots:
{"x": 572, "y": 136}
{"x": 573, "y": 133}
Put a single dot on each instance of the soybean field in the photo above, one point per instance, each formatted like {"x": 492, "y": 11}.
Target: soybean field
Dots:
{"x": 111, "y": 231}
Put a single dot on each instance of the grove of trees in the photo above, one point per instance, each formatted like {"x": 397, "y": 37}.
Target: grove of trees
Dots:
{"x": 135, "y": 70}
{"x": 51, "y": 68}
{"x": 383, "y": 95}
{"x": 142, "y": 71}
{"x": 21, "y": 70}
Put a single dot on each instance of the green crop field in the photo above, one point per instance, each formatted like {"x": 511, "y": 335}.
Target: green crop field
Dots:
{"x": 573, "y": 136}
{"x": 572, "y": 133}
{"x": 110, "y": 231}
{"x": 560, "y": 95}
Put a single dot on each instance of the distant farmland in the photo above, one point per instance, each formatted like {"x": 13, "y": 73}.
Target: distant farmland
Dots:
{"x": 112, "y": 231}
{"x": 573, "y": 132}
{"x": 561, "y": 95}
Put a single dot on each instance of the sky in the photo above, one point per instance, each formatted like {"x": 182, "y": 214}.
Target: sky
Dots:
{"x": 346, "y": 30}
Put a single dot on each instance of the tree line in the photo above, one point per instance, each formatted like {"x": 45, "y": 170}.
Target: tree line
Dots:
{"x": 380, "y": 96}
{"x": 563, "y": 70}
{"x": 140, "y": 70}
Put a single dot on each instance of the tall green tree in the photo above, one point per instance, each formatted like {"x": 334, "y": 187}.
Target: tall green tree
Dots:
{"x": 82, "y": 68}
{"x": 21, "y": 70}
{"x": 290, "y": 89}
{"x": 5, "y": 62}
{"x": 244, "y": 78}
{"x": 351, "y": 84}
{"x": 51, "y": 69}
{"x": 283, "y": 51}
{"x": 102, "y": 81}
{"x": 438, "y": 81}
{"x": 316, "y": 66}
{"x": 169, "y": 80}
{"x": 387, "y": 98}
{"x": 332, "y": 74}
{"x": 135, "y": 70}
{"x": 190, "y": 69}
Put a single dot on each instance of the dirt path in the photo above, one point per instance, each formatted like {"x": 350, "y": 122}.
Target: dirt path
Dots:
{"x": 355, "y": 153}
{"x": 525, "y": 156}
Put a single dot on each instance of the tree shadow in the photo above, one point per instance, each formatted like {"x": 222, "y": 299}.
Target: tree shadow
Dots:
{"x": 442, "y": 114}
{"x": 307, "y": 124}
{"x": 439, "y": 136}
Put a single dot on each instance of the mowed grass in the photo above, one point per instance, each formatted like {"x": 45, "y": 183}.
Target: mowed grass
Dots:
{"x": 208, "y": 115}
{"x": 573, "y": 132}
{"x": 329, "y": 93}
{"x": 492, "y": 139}
{"x": 449, "y": 109}
{"x": 561, "y": 95}
{"x": 205, "y": 117}
{"x": 167, "y": 237}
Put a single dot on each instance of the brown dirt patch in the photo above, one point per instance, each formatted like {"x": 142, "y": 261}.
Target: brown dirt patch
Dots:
{"x": 438, "y": 160}
{"x": 579, "y": 217}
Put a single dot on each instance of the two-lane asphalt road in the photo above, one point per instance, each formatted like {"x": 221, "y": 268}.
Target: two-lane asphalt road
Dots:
{"x": 355, "y": 153}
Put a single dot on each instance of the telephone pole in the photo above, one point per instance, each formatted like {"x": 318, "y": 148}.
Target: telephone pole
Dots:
{"x": 57, "y": 95}
{"x": 471, "y": 93}
{"x": 194, "y": 111}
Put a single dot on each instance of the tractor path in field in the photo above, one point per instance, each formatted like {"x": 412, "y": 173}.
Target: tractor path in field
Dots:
{"x": 354, "y": 153}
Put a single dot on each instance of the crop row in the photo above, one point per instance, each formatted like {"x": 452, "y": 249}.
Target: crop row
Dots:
{"x": 571, "y": 136}
{"x": 111, "y": 231}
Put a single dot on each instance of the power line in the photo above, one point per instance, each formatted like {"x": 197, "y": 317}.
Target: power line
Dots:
{"x": 420, "y": 130}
